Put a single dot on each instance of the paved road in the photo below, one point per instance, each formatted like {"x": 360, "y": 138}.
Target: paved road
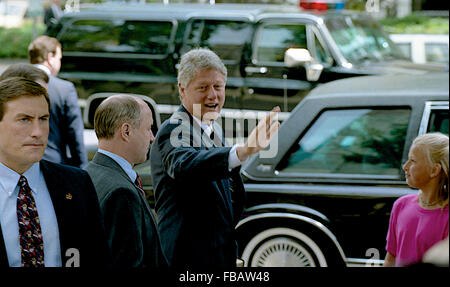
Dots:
{"x": 4, "y": 63}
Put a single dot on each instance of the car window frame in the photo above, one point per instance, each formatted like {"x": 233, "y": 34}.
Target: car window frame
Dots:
{"x": 344, "y": 177}
{"x": 313, "y": 33}
{"x": 428, "y": 108}
{"x": 275, "y": 21}
{"x": 258, "y": 169}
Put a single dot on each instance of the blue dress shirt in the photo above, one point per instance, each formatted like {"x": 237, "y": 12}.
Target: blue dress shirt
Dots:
{"x": 124, "y": 164}
{"x": 9, "y": 190}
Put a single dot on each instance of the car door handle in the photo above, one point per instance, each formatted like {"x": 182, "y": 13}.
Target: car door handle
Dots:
{"x": 256, "y": 70}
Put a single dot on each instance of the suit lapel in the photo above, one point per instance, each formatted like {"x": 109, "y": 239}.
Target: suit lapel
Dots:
{"x": 60, "y": 204}
{"x": 108, "y": 162}
{"x": 198, "y": 135}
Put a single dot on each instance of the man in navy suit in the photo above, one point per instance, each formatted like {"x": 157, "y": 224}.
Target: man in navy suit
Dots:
{"x": 49, "y": 213}
{"x": 65, "y": 141}
{"x": 198, "y": 189}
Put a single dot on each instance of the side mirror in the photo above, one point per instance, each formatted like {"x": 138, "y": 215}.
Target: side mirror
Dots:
{"x": 294, "y": 57}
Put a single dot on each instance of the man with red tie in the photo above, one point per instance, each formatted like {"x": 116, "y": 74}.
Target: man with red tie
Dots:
{"x": 123, "y": 125}
{"x": 49, "y": 213}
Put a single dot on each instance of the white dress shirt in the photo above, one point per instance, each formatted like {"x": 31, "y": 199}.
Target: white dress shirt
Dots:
{"x": 233, "y": 160}
{"x": 9, "y": 191}
{"x": 43, "y": 68}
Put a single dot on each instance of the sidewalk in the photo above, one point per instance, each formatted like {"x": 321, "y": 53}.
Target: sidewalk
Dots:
{"x": 4, "y": 63}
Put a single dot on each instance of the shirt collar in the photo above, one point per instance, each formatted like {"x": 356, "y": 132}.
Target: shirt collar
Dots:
{"x": 43, "y": 68}
{"x": 10, "y": 178}
{"x": 207, "y": 129}
{"x": 124, "y": 164}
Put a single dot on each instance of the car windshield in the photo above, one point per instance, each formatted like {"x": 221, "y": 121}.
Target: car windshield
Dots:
{"x": 361, "y": 40}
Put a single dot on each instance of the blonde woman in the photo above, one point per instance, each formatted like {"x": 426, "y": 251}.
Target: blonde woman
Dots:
{"x": 418, "y": 221}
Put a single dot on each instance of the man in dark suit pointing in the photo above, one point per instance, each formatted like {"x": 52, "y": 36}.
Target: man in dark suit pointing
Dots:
{"x": 198, "y": 190}
{"x": 123, "y": 126}
{"x": 49, "y": 213}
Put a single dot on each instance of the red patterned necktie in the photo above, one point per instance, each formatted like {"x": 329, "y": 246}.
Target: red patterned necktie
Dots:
{"x": 138, "y": 183}
{"x": 30, "y": 235}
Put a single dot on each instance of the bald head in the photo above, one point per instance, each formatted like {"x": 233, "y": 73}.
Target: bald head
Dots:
{"x": 114, "y": 111}
{"x": 123, "y": 125}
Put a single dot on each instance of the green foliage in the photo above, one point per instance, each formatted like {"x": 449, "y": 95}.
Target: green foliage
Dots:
{"x": 15, "y": 41}
{"x": 416, "y": 24}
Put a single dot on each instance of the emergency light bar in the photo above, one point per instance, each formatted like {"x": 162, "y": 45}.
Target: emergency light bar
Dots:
{"x": 321, "y": 5}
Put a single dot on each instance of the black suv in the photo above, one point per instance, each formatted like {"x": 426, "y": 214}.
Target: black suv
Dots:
{"x": 274, "y": 54}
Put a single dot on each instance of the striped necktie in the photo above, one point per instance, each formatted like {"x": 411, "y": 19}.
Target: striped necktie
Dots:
{"x": 138, "y": 183}
{"x": 30, "y": 235}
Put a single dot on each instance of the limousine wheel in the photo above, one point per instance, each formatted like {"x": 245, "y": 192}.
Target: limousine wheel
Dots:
{"x": 282, "y": 247}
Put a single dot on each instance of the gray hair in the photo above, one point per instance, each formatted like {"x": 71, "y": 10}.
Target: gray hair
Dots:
{"x": 115, "y": 111}
{"x": 200, "y": 58}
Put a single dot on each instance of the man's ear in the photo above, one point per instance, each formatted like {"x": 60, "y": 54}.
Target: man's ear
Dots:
{"x": 181, "y": 90}
{"x": 49, "y": 56}
{"x": 125, "y": 129}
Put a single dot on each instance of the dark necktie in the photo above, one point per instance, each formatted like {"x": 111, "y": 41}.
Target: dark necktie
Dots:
{"x": 138, "y": 183}
{"x": 232, "y": 184}
{"x": 230, "y": 179}
{"x": 215, "y": 140}
{"x": 30, "y": 235}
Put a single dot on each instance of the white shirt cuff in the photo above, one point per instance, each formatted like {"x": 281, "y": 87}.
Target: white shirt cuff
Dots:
{"x": 233, "y": 160}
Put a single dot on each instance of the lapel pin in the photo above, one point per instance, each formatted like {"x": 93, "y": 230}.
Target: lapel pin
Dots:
{"x": 68, "y": 196}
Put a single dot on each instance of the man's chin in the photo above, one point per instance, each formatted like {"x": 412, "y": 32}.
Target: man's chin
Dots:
{"x": 30, "y": 160}
{"x": 210, "y": 116}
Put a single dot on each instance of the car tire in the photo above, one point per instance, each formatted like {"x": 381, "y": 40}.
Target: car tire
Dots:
{"x": 282, "y": 247}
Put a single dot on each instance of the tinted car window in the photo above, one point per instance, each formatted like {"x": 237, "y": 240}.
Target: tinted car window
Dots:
{"x": 226, "y": 38}
{"x": 363, "y": 141}
{"x": 438, "y": 121}
{"x": 117, "y": 36}
{"x": 359, "y": 39}
{"x": 274, "y": 40}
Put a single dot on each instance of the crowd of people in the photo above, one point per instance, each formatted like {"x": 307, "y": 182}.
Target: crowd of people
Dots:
{"x": 56, "y": 209}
